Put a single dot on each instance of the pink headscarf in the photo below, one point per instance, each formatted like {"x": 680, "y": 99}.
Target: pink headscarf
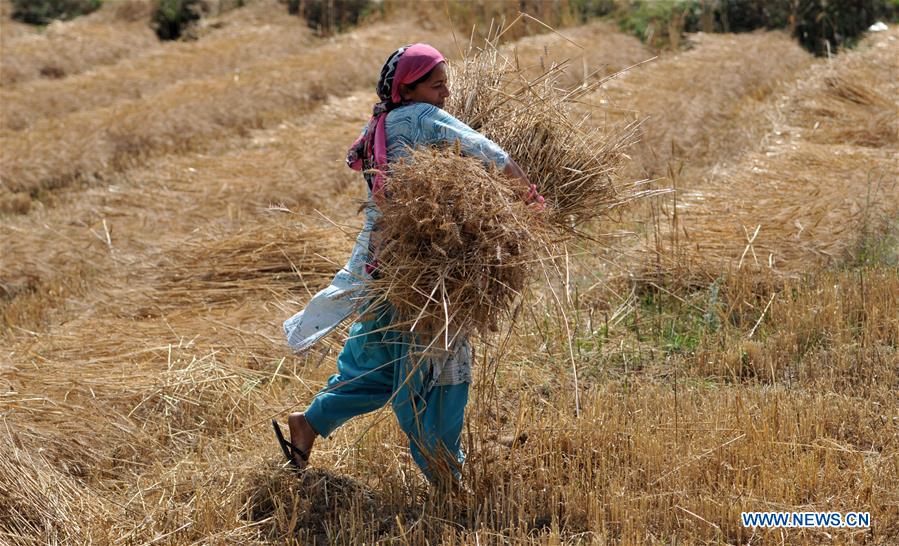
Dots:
{"x": 404, "y": 66}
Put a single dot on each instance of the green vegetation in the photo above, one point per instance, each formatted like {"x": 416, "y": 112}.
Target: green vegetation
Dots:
{"x": 823, "y": 25}
{"x": 676, "y": 324}
{"x": 172, "y": 17}
{"x": 330, "y": 16}
{"x": 819, "y": 25}
{"x": 878, "y": 248}
{"x": 878, "y": 237}
{"x": 748, "y": 15}
{"x": 176, "y": 19}
{"x": 588, "y": 9}
{"x": 660, "y": 23}
{"x": 42, "y": 12}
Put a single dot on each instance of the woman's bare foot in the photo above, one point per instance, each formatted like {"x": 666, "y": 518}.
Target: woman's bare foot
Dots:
{"x": 302, "y": 435}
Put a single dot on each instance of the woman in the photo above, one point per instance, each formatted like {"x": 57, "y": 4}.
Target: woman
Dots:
{"x": 375, "y": 366}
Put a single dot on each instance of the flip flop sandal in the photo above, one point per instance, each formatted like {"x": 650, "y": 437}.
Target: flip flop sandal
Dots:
{"x": 289, "y": 449}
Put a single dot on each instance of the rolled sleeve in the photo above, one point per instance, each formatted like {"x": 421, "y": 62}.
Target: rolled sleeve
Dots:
{"x": 473, "y": 143}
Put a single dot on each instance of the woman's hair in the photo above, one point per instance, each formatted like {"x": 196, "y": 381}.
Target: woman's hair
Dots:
{"x": 422, "y": 79}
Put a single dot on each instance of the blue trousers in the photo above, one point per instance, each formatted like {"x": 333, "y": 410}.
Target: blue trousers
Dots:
{"x": 375, "y": 368}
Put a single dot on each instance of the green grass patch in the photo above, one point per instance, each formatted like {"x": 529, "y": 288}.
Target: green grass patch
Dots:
{"x": 660, "y": 23}
{"x": 42, "y": 12}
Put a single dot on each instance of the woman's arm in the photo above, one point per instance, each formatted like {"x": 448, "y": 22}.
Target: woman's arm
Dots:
{"x": 437, "y": 126}
{"x": 512, "y": 170}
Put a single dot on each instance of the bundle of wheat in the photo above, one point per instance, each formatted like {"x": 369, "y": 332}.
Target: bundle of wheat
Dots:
{"x": 609, "y": 52}
{"x": 852, "y": 103}
{"x": 572, "y": 164}
{"x": 458, "y": 243}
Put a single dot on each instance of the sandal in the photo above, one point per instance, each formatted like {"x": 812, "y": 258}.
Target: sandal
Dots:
{"x": 289, "y": 449}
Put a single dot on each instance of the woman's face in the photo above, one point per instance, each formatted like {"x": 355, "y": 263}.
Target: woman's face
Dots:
{"x": 433, "y": 90}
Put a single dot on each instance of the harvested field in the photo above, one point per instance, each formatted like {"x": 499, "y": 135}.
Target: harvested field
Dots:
{"x": 234, "y": 44}
{"x": 704, "y": 103}
{"x": 13, "y": 30}
{"x": 183, "y": 193}
{"x": 87, "y": 146}
{"x": 820, "y": 193}
{"x": 590, "y": 52}
{"x": 151, "y": 247}
{"x": 117, "y": 31}
{"x": 67, "y": 48}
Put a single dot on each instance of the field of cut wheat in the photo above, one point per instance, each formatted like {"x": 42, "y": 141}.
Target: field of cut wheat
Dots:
{"x": 724, "y": 342}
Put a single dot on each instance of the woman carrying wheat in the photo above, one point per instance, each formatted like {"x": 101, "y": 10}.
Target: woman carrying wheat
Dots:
{"x": 375, "y": 367}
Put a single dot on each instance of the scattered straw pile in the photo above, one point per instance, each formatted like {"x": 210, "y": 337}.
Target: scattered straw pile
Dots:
{"x": 854, "y": 103}
{"x": 459, "y": 242}
{"x": 271, "y": 260}
{"x": 10, "y": 29}
{"x": 39, "y": 504}
{"x": 587, "y": 53}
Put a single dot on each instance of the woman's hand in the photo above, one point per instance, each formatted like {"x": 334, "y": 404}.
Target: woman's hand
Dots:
{"x": 534, "y": 200}
{"x": 531, "y": 197}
